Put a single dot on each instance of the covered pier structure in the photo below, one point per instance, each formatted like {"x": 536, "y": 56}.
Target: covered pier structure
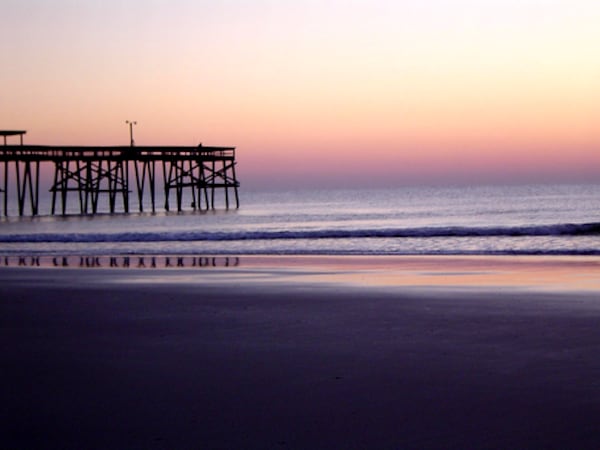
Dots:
{"x": 88, "y": 174}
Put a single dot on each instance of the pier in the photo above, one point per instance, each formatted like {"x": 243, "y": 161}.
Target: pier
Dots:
{"x": 112, "y": 175}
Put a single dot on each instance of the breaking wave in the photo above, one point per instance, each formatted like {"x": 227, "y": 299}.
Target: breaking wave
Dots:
{"x": 564, "y": 229}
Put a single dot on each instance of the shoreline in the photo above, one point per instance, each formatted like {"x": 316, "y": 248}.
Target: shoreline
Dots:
{"x": 566, "y": 273}
{"x": 299, "y": 353}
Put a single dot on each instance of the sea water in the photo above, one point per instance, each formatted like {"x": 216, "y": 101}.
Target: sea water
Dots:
{"x": 537, "y": 219}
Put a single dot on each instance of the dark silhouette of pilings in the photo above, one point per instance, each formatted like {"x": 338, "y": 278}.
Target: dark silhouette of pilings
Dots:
{"x": 124, "y": 262}
{"x": 91, "y": 173}
{"x": 90, "y": 176}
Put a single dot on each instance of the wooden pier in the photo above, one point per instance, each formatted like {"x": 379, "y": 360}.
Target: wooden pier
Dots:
{"x": 93, "y": 173}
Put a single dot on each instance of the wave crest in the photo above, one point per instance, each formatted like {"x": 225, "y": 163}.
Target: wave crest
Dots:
{"x": 565, "y": 229}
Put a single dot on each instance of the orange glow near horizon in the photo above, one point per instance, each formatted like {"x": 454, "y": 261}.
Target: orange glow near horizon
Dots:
{"x": 378, "y": 91}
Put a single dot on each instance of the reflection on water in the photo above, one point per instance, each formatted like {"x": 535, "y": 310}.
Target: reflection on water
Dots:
{"x": 125, "y": 262}
{"x": 573, "y": 273}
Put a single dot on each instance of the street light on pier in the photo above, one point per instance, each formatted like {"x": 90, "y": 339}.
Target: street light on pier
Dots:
{"x": 131, "y": 124}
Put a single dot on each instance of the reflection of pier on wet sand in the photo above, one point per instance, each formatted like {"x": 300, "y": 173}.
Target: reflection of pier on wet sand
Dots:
{"x": 125, "y": 262}
{"x": 91, "y": 173}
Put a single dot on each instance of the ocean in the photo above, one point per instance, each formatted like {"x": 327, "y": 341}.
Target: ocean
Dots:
{"x": 480, "y": 220}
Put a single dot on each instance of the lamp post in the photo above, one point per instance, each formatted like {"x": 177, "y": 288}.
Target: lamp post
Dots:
{"x": 131, "y": 124}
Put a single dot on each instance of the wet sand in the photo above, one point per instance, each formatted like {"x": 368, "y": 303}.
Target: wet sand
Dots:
{"x": 423, "y": 352}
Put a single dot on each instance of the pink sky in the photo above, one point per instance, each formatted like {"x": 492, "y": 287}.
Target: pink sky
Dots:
{"x": 318, "y": 93}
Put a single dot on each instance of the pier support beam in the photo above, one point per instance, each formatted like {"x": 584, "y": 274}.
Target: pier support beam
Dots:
{"x": 27, "y": 178}
{"x": 90, "y": 179}
{"x": 220, "y": 174}
{"x": 145, "y": 173}
{"x": 68, "y": 179}
{"x": 111, "y": 177}
{"x": 179, "y": 175}
{"x": 5, "y": 188}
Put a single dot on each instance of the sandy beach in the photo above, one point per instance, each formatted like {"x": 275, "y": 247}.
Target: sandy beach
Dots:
{"x": 303, "y": 353}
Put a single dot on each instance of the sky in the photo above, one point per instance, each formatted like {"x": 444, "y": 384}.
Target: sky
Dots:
{"x": 318, "y": 93}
